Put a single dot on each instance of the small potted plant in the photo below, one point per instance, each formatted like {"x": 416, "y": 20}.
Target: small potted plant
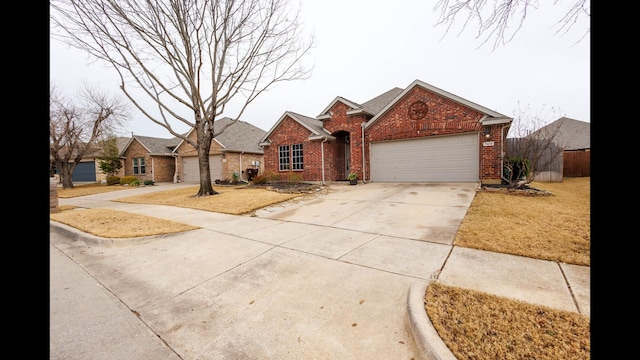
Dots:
{"x": 353, "y": 178}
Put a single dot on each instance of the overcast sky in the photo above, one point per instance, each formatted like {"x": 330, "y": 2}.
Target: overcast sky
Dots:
{"x": 364, "y": 48}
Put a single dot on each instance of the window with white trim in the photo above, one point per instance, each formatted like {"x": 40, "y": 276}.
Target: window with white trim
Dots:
{"x": 138, "y": 166}
{"x": 283, "y": 156}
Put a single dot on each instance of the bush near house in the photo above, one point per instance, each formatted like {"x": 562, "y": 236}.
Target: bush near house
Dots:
{"x": 129, "y": 180}
{"x": 113, "y": 180}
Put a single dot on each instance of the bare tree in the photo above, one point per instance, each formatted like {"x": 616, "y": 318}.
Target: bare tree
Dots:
{"x": 76, "y": 128}
{"x": 499, "y": 18}
{"x": 189, "y": 56}
{"x": 531, "y": 147}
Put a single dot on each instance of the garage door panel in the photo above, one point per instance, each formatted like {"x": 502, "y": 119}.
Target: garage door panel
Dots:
{"x": 191, "y": 169}
{"x": 84, "y": 171}
{"x": 438, "y": 159}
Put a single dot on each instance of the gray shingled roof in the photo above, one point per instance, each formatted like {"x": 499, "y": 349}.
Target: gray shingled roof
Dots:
{"x": 121, "y": 142}
{"x": 158, "y": 146}
{"x": 378, "y": 103}
{"x": 315, "y": 124}
{"x": 240, "y": 136}
{"x": 571, "y": 134}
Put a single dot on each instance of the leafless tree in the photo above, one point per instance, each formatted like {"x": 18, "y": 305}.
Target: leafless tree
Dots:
{"x": 76, "y": 127}
{"x": 496, "y": 20}
{"x": 189, "y": 56}
{"x": 531, "y": 147}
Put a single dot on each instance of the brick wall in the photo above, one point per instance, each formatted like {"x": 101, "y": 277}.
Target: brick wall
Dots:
{"x": 234, "y": 161}
{"x": 163, "y": 168}
{"x": 290, "y": 132}
{"x": 157, "y": 168}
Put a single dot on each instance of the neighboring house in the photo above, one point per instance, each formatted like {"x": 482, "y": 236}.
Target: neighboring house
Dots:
{"x": 150, "y": 158}
{"x": 88, "y": 169}
{"x": 417, "y": 134}
{"x": 574, "y": 137}
{"x": 232, "y": 152}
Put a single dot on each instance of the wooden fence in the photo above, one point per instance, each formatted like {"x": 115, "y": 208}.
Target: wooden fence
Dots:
{"x": 577, "y": 164}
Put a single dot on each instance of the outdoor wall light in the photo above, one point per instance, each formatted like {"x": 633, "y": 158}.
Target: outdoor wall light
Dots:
{"x": 487, "y": 133}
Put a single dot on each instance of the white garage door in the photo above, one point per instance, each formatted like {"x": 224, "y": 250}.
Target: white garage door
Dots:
{"x": 191, "y": 172}
{"x": 437, "y": 159}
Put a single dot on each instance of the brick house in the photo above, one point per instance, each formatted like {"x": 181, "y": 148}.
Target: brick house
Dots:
{"x": 149, "y": 158}
{"x": 232, "y": 153}
{"x": 417, "y": 134}
{"x": 88, "y": 169}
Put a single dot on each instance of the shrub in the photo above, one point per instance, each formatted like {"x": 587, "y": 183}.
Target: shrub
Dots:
{"x": 271, "y": 176}
{"x": 149, "y": 182}
{"x": 113, "y": 180}
{"x": 129, "y": 180}
{"x": 260, "y": 179}
{"x": 293, "y": 178}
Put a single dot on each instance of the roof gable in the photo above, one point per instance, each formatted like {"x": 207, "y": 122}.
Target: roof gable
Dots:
{"x": 326, "y": 113}
{"x": 313, "y": 125}
{"x": 492, "y": 117}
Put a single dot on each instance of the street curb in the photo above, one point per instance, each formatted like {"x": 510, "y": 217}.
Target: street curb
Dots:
{"x": 78, "y": 235}
{"x": 425, "y": 335}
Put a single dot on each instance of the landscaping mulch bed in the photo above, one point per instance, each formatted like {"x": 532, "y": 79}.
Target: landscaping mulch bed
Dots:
{"x": 290, "y": 187}
{"x": 524, "y": 190}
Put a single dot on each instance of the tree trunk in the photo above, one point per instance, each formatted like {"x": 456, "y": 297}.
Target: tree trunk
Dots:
{"x": 204, "y": 145}
{"x": 64, "y": 170}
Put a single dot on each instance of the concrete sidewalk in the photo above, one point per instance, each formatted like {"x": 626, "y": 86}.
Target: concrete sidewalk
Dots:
{"x": 340, "y": 275}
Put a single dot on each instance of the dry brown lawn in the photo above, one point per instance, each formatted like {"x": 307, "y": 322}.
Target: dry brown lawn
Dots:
{"x": 89, "y": 189}
{"x": 480, "y": 326}
{"x": 234, "y": 200}
{"x": 100, "y": 222}
{"x": 474, "y": 325}
{"x": 556, "y": 227}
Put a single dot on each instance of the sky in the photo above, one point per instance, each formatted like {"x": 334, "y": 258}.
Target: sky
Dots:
{"x": 365, "y": 48}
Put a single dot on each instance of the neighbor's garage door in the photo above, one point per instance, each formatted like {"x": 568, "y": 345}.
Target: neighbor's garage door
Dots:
{"x": 191, "y": 172}
{"x": 437, "y": 159}
{"x": 85, "y": 171}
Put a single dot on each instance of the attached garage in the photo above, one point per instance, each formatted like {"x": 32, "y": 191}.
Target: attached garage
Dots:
{"x": 84, "y": 172}
{"x": 191, "y": 171}
{"x": 452, "y": 158}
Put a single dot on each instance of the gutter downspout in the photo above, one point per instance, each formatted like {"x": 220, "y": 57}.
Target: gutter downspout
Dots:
{"x": 364, "y": 166}
{"x": 322, "y": 151}
{"x": 241, "y": 180}
{"x": 175, "y": 173}
{"x": 502, "y": 138}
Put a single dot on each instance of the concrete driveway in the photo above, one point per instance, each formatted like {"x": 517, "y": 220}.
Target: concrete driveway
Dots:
{"x": 427, "y": 212}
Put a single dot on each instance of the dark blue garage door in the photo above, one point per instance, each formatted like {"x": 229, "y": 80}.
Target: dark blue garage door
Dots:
{"x": 85, "y": 171}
